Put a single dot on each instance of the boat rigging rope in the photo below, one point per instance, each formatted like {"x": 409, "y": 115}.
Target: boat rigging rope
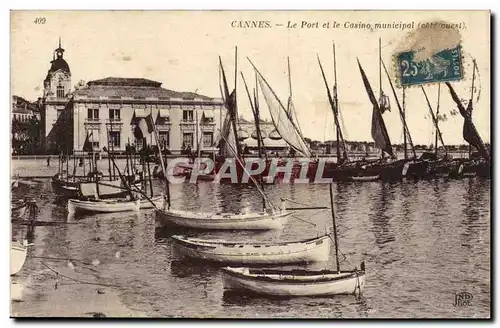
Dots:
{"x": 296, "y": 202}
{"x": 76, "y": 280}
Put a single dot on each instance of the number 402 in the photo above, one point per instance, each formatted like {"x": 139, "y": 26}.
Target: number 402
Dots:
{"x": 39, "y": 20}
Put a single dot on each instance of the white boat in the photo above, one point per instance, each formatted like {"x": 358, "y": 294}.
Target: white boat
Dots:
{"x": 159, "y": 202}
{"x": 223, "y": 221}
{"x": 303, "y": 251}
{"x": 106, "y": 188}
{"x": 18, "y": 254}
{"x": 103, "y": 205}
{"x": 294, "y": 282}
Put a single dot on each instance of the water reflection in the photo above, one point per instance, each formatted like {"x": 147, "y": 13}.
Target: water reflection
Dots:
{"x": 388, "y": 225}
{"x": 382, "y": 201}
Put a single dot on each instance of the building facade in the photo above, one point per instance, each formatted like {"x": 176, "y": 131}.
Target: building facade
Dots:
{"x": 23, "y": 110}
{"x": 108, "y": 111}
{"x": 114, "y": 106}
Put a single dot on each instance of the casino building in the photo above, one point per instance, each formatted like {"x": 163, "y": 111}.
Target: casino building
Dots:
{"x": 112, "y": 107}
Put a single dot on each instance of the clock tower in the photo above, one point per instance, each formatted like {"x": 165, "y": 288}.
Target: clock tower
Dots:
{"x": 56, "y": 111}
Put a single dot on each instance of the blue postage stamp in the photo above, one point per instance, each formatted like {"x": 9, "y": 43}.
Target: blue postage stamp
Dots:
{"x": 443, "y": 66}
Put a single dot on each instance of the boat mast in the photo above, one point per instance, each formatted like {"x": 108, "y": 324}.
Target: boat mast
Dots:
{"x": 336, "y": 102}
{"x": 335, "y": 239}
{"x": 437, "y": 122}
{"x": 290, "y": 89}
{"x": 112, "y": 144}
{"x": 333, "y": 107}
{"x": 380, "y": 76}
{"x": 262, "y": 147}
{"x": 402, "y": 114}
{"x": 434, "y": 120}
{"x": 162, "y": 163}
{"x": 235, "y": 109}
{"x": 472, "y": 95}
{"x": 405, "y": 144}
{"x": 255, "y": 111}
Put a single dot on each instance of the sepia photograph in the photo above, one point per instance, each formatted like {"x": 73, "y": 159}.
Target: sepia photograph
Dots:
{"x": 268, "y": 164}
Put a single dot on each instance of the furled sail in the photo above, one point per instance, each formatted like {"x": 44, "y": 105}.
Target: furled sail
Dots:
{"x": 230, "y": 104}
{"x": 282, "y": 121}
{"x": 379, "y": 130}
{"x": 470, "y": 133}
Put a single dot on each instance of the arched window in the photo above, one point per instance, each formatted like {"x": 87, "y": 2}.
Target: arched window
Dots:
{"x": 60, "y": 91}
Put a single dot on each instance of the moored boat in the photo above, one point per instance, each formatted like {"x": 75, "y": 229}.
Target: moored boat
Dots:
{"x": 103, "y": 206}
{"x": 153, "y": 202}
{"x": 302, "y": 251}
{"x": 18, "y": 254}
{"x": 294, "y": 282}
{"x": 222, "y": 221}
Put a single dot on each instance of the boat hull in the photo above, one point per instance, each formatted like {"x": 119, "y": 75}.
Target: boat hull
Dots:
{"x": 229, "y": 221}
{"x": 17, "y": 257}
{"x": 288, "y": 284}
{"x": 307, "y": 251}
{"x": 102, "y": 206}
{"x": 159, "y": 202}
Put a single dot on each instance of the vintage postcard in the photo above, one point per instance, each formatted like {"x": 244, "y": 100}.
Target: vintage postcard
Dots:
{"x": 251, "y": 164}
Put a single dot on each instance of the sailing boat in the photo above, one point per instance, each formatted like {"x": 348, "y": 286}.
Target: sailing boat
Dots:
{"x": 414, "y": 167}
{"x": 86, "y": 187}
{"x": 444, "y": 166}
{"x": 111, "y": 205}
{"x": 480, "y": 164}
{"x": 385, "y": 168}
{"x": 278, "y": 282}
{"x": 274, "y": 218}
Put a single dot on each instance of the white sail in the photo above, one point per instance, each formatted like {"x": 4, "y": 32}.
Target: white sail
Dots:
{"x": 282, "y": 122}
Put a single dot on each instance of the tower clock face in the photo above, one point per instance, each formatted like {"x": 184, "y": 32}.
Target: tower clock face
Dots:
{"x": 59, "y": 54}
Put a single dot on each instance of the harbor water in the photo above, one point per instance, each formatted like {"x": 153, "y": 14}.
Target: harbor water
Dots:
{"x": 423, "y": 242}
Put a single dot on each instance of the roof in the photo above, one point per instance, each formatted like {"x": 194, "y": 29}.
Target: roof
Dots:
{"x": 132, "y": 87}
{"x": 59, "y": 63}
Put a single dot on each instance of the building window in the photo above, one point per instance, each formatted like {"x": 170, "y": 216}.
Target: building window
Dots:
{"x": 114, "y": 137}
{"x": 187, "y": 139}
{"x": 93, "y": 114}
{"x": 187, "y": 115}
{"x": 60, "y": 91}
{"x": 208, "y": 139}
{"x": 59, "y": 113}
{"x": 114, "y": 114}
{"x": 164, "y": 137}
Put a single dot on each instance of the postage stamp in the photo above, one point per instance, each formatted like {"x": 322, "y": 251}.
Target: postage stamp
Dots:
{"x": 441, "y": 67}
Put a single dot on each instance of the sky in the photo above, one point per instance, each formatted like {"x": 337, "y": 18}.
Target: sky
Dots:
{"x": 181, "y": 50}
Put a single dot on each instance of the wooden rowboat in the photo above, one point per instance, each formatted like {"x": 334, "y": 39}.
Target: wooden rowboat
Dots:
{"x": 222, "y": 221}
{"x": 18, "y": 254}
{"x": 294, "y": 282}
{"x": 303, "y": 251}
{"x": 103, "y": 206}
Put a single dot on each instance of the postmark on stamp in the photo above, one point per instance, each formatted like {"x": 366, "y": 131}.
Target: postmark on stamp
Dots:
{"x": 440, "y": 67}
{"x": 432, "y": 53}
